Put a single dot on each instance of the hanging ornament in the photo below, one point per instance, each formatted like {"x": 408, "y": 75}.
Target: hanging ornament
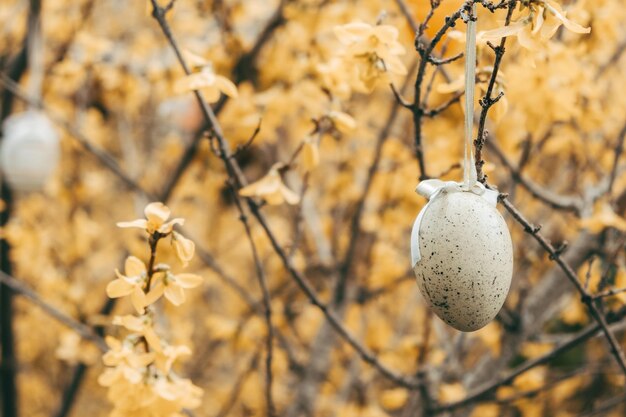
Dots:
{"x": 29, "y": 151}
{"x": 461, "y": 248}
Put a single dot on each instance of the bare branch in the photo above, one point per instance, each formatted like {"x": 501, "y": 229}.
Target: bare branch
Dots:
{"x": 271, "y": 408}
{"x": 555, "y": 201}
{"x": 589, "y": 301}
{"x": 103, "y": 157}
{"x": 487, "y": 101}
{"x": 234, "y": 171}
{"x": 619, "y": 148}
{"x": 83, "y": 330}
{"x": 487, "y": 391}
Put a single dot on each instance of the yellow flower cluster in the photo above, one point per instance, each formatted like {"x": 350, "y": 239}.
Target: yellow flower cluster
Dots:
{"x": 534, "y": 29}
{"x": 205, "y": 80}
{"x": 369, "y": 55}
{"x": 139, "y": 371}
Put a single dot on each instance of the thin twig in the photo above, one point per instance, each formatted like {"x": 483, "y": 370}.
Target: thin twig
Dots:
{"x": 271, "y": 408}
{"x": 417, "y": 110}
{"x": 487, "y": 101}
{"x": 609, "y": 293}
{"x": 355, "y": 224}
{"x": 487, "y": 391}
{"x": 559, "y": 202}
{"x": 236, "y": 390}
{"x": 243, "y": 69}
{"x": 443, "y": 107}
{"x": 100, "y": 154}
{"x": 586, "y": 298}
{"x": 83, "y": 330}
{"x": 619, "y": 148}
{"x": 234, "y": 171}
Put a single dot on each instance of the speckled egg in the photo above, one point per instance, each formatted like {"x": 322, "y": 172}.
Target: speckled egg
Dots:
{"x": 466, "y": 259}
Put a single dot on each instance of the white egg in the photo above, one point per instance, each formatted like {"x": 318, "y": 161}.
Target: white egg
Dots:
{"x": 466, "y": 259}
{"x": 29, "y": 151}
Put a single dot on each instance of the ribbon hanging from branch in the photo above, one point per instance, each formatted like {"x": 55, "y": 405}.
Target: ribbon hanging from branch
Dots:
{"x": 433, "y": 188}
{"x": 469, "y": 166}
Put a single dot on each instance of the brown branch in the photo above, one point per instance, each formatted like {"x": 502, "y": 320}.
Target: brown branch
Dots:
{"x": 619, "y": 51}
{"x": 102, "y": 156}
{"x": 486, "y": 392}
{"x": 586, "y": 298}
{"x": 609, "y": 293}
{"x": 234, "y": 393}
{"x": 443, "y": 61}
{"x": 243, "y": 69}
{"x": 83, "y": 330}
{"x": 401, "y": 100}
{"x": 619, "y": 148}
{"x": 559, "y": 202}
{"x": 355, "y": 224}
{"x": 234, "y": 171}
{"x": 487, "y": 101}
{"x": 9, "y": 394}
{"x": 408, "y": 14}
{"x": 271, "y": 408}
{"x": 417, "y": 110}
{"x": 443, "y": 107}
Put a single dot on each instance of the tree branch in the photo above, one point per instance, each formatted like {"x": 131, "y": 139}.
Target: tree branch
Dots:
{"x": 234, "y": 171}
{"x": 83, "y": 330}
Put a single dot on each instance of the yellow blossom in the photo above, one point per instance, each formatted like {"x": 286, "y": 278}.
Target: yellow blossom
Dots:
{"x": 168, "y": 355}
{"x": 140, "y": 325}
{"x": 155, "y": 221}
{"x": 173, "y": 286}
{"x": 183, "y": 247}
{"x": 211, "y": 84}
{"x": 130, "y": 284}
{"x": 542, "y": 22}
{"x": 372, "y": 50}
{"x": 271, "y": 188}
{"x": 343, "y": 122}
{"x": 310, "y": 153}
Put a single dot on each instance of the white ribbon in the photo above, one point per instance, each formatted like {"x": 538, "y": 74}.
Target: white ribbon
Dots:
{"x": 431, "y": 189}
{"x": 469, "y": 165}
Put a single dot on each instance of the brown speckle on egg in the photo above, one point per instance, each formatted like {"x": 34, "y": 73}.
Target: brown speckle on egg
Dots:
{"x": 467, "y": 261}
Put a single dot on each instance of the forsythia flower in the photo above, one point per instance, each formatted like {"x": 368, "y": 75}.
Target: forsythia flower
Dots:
{"x": 372, "y": 50}
{"x": 127, "y": 362}
{"x": 166, "y": 357}
{"x": 211, "y": 84}
{"x": 310, "y": 153}
{"x": 343, "y": 122}
{"x": 139, "y": 369}
{"x": 173, "y": 286}
{"x": 132, "y": 283}
{"x": 155, "y": 221}
{"x": 544, "y": 19}
{"x": 336, "y": 76}
{"x": 142, "y": 326}
{"x": 271, "y": 188}
{"x": 183, "y": 247}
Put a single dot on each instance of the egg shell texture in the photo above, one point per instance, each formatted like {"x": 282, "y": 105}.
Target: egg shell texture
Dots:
{"x": 466, "y": 260}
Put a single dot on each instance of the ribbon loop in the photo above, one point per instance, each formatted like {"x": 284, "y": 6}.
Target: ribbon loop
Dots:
{"x": 432, "y": 189}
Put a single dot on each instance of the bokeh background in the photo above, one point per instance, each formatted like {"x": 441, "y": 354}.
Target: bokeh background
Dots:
{"x": 107, "y": 77}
